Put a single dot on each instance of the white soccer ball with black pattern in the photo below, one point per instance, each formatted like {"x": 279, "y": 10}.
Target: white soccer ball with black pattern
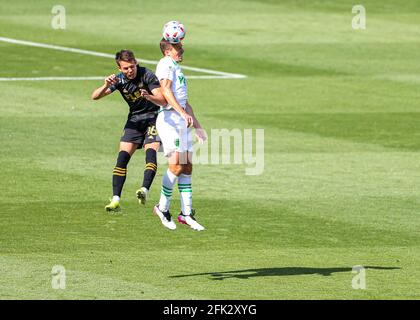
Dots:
{"x": 173, "y": 31}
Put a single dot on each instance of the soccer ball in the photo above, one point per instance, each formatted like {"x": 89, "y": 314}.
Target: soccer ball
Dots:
{"x": 173, "y": 31}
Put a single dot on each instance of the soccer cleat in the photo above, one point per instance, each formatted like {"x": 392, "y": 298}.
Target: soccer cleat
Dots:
{"x": 190, "y": 221}
{"x": 165, "y": 218}
{"x": 142, "y": 194}
{"x": 114, "y": 205}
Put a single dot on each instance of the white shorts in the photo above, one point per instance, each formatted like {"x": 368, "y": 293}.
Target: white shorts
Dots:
{"x": 173, "y": 132}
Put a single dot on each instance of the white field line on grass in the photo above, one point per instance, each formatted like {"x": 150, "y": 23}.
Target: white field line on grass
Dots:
{"x": 91, "y": 78}
{"x": 51, "y": 78}
{"x": 213, "y": 74}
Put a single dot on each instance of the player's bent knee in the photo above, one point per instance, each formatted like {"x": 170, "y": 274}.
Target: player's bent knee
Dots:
{"x": 154, "y": 145}
{"x": 176, "y": 169}
{"x": 187, "y": 169}
{"x": 128, "y": 147}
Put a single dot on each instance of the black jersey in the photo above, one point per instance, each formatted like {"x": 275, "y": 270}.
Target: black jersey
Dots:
{"x": 130, "y": 90}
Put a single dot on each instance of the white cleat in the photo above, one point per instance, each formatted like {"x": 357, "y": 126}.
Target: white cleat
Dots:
{"x": 165, "y": 218}
{"x": 190, "y": 220}
{"x": 142, "y": 194}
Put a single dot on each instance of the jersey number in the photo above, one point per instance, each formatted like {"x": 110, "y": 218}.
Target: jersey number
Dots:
{"x": 152, "y": 131}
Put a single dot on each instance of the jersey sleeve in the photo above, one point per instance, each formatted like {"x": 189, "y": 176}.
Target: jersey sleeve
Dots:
{"x": 165, "y": 70}
{"x": 151, "y": 80}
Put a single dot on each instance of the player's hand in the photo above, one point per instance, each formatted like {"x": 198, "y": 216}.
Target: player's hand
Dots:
{"x": 144, "y": 94}
{"x": 201, "y": 135}
{"x": 188, "y": 119}
{"x": 111, "y": 80}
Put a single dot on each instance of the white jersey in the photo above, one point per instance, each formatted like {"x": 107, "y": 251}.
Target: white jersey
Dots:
{"x": 171, "y": 70}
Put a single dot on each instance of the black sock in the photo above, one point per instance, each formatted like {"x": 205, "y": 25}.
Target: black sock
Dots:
{"x": 150, "y": 168}
{"x": 120, "y": 172}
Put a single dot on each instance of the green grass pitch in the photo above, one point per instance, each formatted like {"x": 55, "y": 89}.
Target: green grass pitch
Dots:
{"x": 341, "y": 182}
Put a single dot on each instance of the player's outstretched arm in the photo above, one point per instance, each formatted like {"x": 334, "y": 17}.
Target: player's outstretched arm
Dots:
{"x": 165, "y": 84}
{"x": 105, "y": 90}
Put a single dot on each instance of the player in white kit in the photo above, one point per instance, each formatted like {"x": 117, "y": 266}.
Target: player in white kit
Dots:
{"x": 174, "y": 124}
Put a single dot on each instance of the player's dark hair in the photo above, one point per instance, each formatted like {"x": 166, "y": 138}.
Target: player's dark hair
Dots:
{"x": 164, "y": 45}
{"x": 124, "y": 55}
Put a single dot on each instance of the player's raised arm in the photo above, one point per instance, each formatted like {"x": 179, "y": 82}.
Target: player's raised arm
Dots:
{"x": 105, "y": 89}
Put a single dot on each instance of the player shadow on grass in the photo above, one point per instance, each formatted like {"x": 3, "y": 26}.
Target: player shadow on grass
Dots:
{"x": 267, "y": 272}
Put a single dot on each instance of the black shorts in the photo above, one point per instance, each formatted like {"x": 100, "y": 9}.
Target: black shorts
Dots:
{"x": 141, "y": 129}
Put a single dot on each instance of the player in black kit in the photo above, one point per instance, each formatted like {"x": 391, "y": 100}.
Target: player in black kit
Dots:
{"x": 141, "y": 90}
